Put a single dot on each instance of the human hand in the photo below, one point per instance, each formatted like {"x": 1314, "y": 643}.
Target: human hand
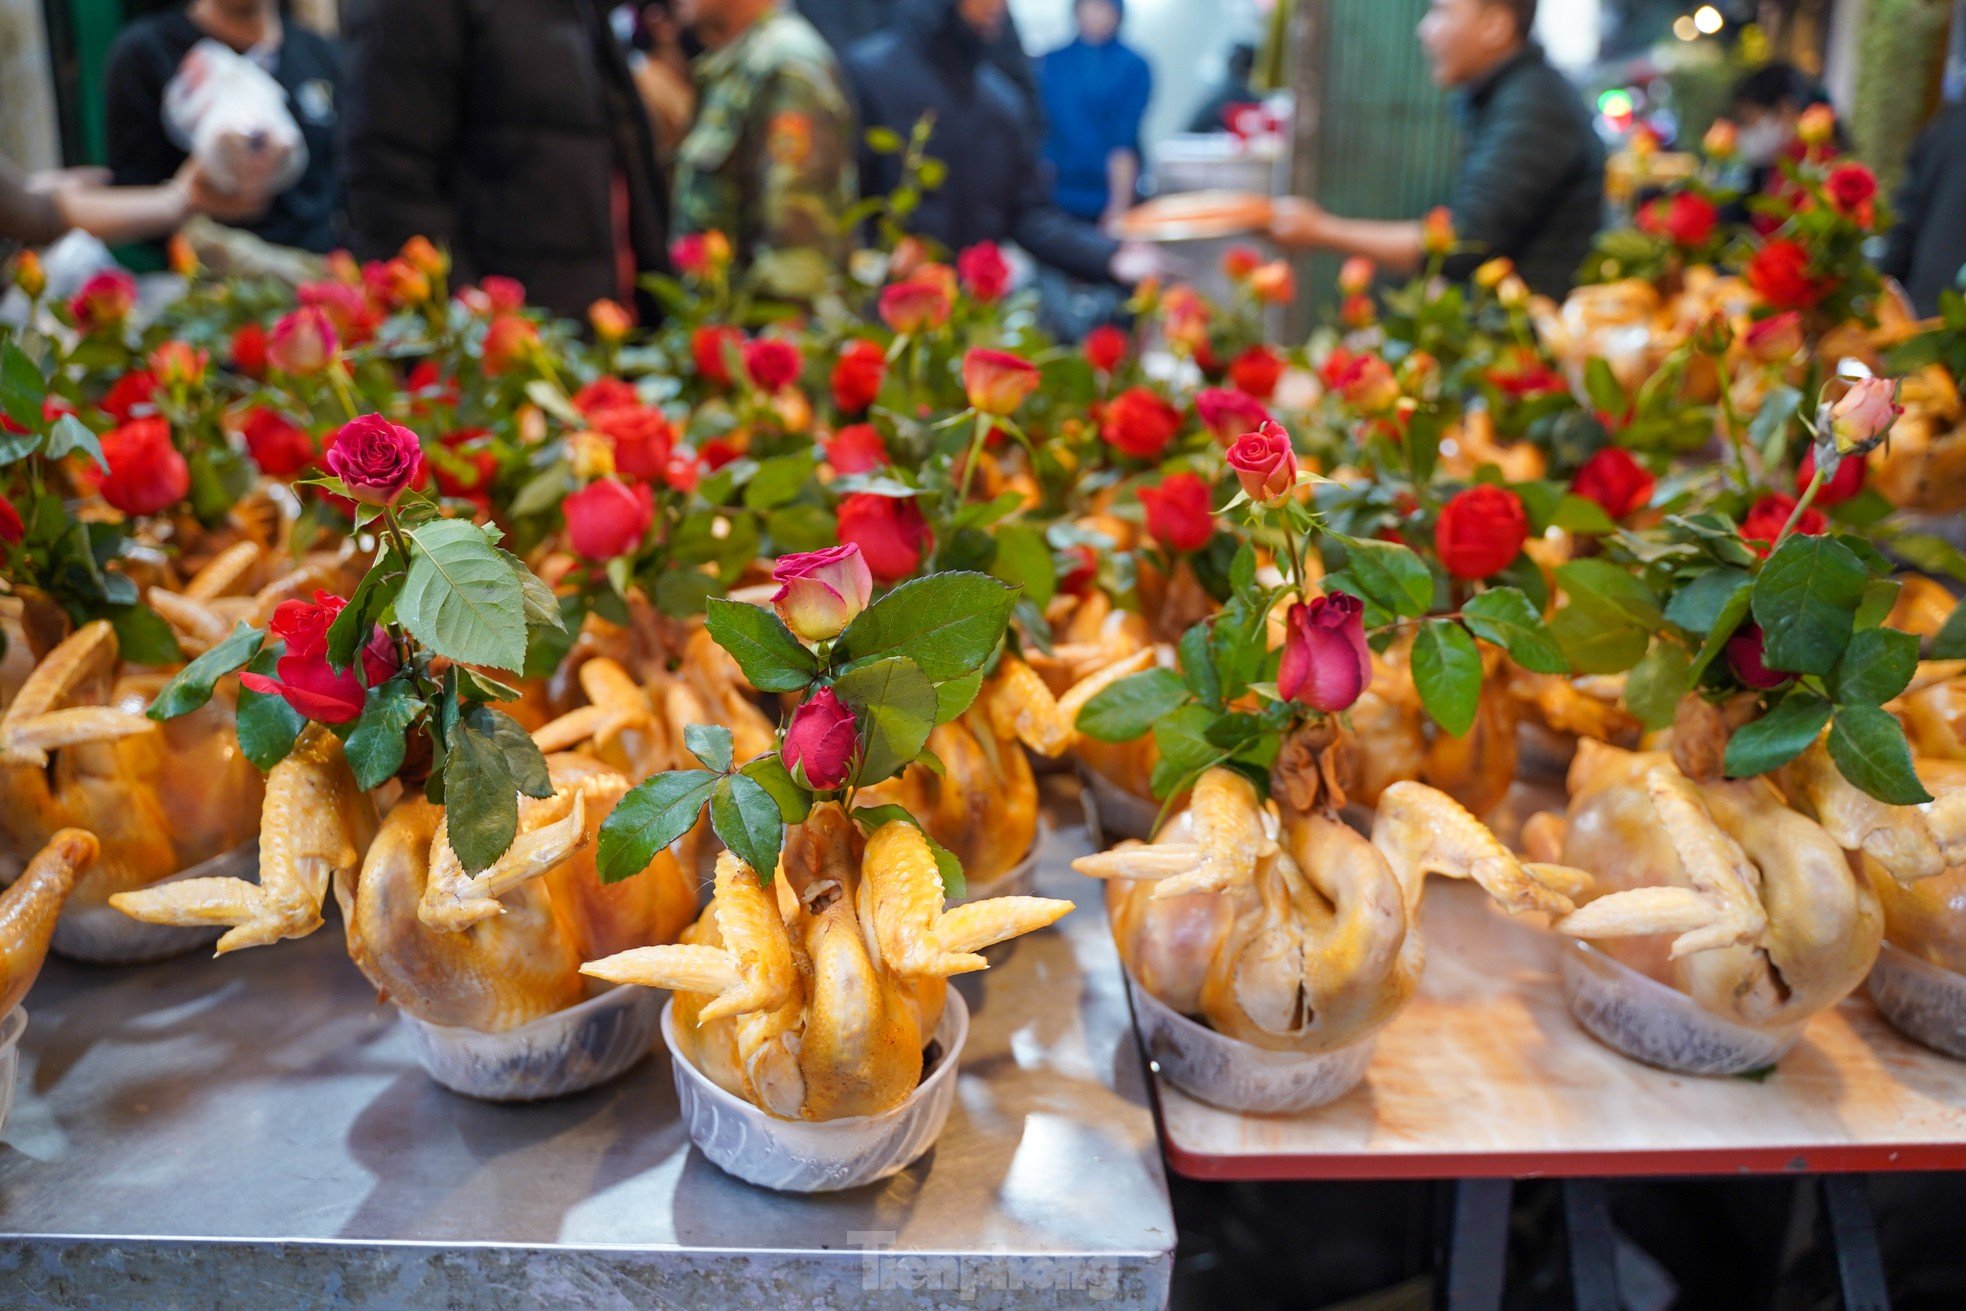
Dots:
{"x": 52, "y": 180}
{"x": 203, "y": 196}
{"x": 1135, "y": 262}
{"x": 1298, "y": 223}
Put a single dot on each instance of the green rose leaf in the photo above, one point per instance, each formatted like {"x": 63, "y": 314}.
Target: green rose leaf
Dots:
{"x": 522, "y": 755}
{"x": 947, "y": 624}
{"x": 650, "y": 817}
{"x": 1131, "y": 707}
{"x": 778, "y": 480}
{"x": 748, "y": 821}
{"x": 710, "y": 744}
{"x": 542, "y": 607}
{"x": 191, "y": 686}
{"x": 1594, "y": 645}
{"x": 1601, "y": 588}
{"x": 1725, "y": 625}
{"x": 896, "y": 705}
{"x": 1447, "y": 672}
{"x": 1876, "y": 666}
{"x": 1504, "y": 616}
{"x": 1657, "y": 683}
{"x": 1806, "y": 603}
{"x": 764, "y": 648}
{"x": 142, "y": 634}
{"x": 1950, "y": 644}
{"x": 1698, "y": 606}
{"x": 69, "y": 436}
{"x": 1024, "y": 561}
{"x": 1869, "y": 746}
{"x": 769, "y": 772}
{"x": 22, "y": 388}
{"x": 461, "y": 599}
{"x": 956, "y": 696}
{"x": 481, "y": 798}
{"x": 353, "y": 627}
{"x": 1390, "y": 574}
{"x": 374, "y": 746}
{"x": 266, "y": 724}
{"x": 1777, "y": 737}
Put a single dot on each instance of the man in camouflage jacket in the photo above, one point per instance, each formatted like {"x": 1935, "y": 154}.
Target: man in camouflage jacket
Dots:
{"x": 769, "y": 159}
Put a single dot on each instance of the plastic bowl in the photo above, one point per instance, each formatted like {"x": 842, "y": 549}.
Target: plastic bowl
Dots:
{"x": 1020, "y": 880}
{"x": 1240, "y": 1076}
{"x": 568, "y": 1051}
{"x": 1112, "y": 813}
{"x": 12, "y": 1025}
{"x": 1923, "y": 1001}
{"x": 818, "y": 1156}
{"x": 103, "y": 935}
{"x": 1644, "y": 1019}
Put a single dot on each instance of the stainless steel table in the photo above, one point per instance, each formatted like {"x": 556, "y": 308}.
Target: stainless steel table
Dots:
{"x": 253, "y": 1133}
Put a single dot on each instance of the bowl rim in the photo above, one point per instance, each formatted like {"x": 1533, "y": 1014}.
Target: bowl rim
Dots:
{"x": 463, "y": 1034}
{"x": 12, "y": 1025}
{"x": 955, "y": 1014}
{"x": 1906, "y": 959}
{"x": 1665, "y": 992}
{"x": 1209, "y": 1033}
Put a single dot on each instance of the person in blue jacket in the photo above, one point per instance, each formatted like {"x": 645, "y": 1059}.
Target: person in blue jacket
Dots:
{"x": 1095, "y": 92}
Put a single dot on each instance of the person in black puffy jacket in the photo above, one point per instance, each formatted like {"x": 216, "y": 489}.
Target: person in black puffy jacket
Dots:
{"x": 508, "y": 131}
{"x": 936, "y": 59}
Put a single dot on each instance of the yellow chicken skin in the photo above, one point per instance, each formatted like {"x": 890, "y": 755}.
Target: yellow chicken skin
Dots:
{"x": 1736, "y": 900}
{"x": 244, "y": 583}
{"x": 1289, "y": 931}
{"x": 813, "y": 999}
{"x": 30, "y": 906}
{"x": 1397, "y": 741}
{"x": 76, "y": 751}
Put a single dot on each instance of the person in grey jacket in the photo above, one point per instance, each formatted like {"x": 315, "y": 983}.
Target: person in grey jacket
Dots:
{"x": 1928, "y": 247}
{"x": 1531, "y": 181}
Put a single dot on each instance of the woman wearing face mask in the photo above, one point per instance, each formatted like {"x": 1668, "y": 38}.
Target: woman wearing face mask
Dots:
{"x": 1767, "y": 107}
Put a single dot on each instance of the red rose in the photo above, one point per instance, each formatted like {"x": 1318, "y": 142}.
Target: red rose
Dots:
{"x": 249, "y": 350}
{"x": 1256, "y": 371}
{"x": 470, "y": 449}
{"x": 605, "y": 393}
{"x": 772, "y": 363}
{"x": 1083, "y": 572}
{"x": 821, "y": 741}
{"x": 889, "y": 530}
{"x": 348, "y": 308}
{"x": 1775, "y": 339}
{"x": 912, "y": 306}
{"x": 506, "y": 295}
{"x": 510, "y": 342}
{"x": 429, "y": 390}
{"x": 856, "y": 448}
{"x": 1325, "y": 663}
{"x": 146, "y": 473}
{"x": 104, "y": 301}
{"x": 607, "y": 518}
{"x": 1273, "y": 283}
{"x": 707, "y": 346}
{"x": 1106, "y": 347}
{"x": 984, "y": 271}
{"x": 1481, "y": 531}
{"x": 641, "y": 436}
{"x": 1615, "y": 481}
{"x": 611, "y": 321}
{"x": 682, "y": 473}
{"x": 1178, "y": 513}
{"x": 997, "y": 382}
{"x": 1364, "y": 379}
{"x": 1686, "y": 218}
{"x": 1765, "y": 521}
{"x": 132, "y": 393}
{"x": 178, "y": 364}
{"x": 11, "y": 527}
{"x": 1229, "y": 414}
{"x": 303, "y": 342}
{"x": 716, "y": 453}
{"x": 1779, "y": 274}
{"x": 279, "y": 448}
{"x": 1265, "y": 464}
{"x": 375, "y": 459}
{"x": 1138, "y": 422}
{"x": 1839, "y": 487}
{"x": 858, "y": 375}
{"x": 1746, "y": 656}
{"x": 307, "y": 681}
{"x": 1522, "y": 375}
{"x": 1852, "y": 188}
{"x": 1238, "y": 262}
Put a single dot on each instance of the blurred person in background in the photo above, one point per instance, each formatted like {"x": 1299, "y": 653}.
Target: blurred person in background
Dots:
{"x": 1531, "y": 180}
{"x": 511, "y": 133}
{"x": 1766, "y": 106}
{"x": 37, "y": 208}
{"x": 768, "y": 161}
{"x": 1928, "y": 246}
{"x": 936, "y": 59}
{"x": 1096, "y": 91}
{"x": 147, "y": 53}
{"x": 1233, "y": 93}
{"x": 845, "y": 23}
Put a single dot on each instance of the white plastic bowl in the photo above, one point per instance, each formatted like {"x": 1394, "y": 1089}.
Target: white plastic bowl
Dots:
{"x": 1240, "y": 1076}
{"x": 568, "y": 1051}
{"x": 1644, "y": 1019}
{"x": 103, "y": 935}
{"x": 1923, "y": 1001}
{"x": 12, "y": 1025}
{"x": 818, "y": 1156}
{"x": 1114, "y": 813}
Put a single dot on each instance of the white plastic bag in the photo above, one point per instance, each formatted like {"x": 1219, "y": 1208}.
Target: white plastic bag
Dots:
{"x": 231, "y": 116}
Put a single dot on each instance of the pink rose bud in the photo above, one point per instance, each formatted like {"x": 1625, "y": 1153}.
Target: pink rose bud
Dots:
{"x": 821, "y": 742}
{"x": 1863, "y": 414}
{"x": 821, "y": 591}
{"x": 1265, "y": 464}
{"x": 375, "y": 459}
{"x": 997, "y": 382}
{"x": 1229, "y": 414}
{"x": 915, "y": 305}
{"x": 1325, "y": 665}
{"x": 1355, "y": 276}
{"x": 304, "y": 342}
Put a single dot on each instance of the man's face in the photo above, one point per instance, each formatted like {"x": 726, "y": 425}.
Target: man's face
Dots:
{"x": 1099, "y": 21}
{"x": 1464, "y": 38}
{"x": 985, "y": 17}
